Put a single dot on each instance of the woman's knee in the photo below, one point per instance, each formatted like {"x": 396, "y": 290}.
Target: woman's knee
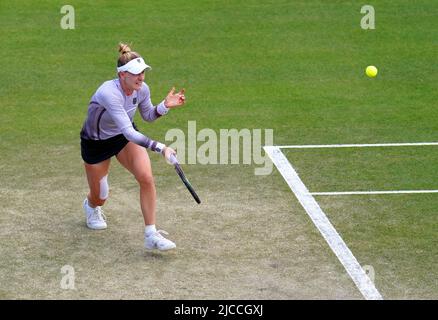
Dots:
{"x": 145, "y": 179}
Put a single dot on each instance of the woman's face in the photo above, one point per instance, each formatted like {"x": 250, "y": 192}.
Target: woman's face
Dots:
{"x": 133, "y": 81}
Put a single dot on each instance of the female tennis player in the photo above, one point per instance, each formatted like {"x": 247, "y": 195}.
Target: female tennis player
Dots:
{"x": 109, "y": 131}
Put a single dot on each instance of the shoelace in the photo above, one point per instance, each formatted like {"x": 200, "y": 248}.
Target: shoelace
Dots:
{"x": 161, "y": 232}
{"x": 98, "y": 214}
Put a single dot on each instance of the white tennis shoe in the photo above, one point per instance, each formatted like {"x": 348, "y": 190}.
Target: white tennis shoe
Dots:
{"x": 157, "y": 241}
{"x": 95, "y": 217}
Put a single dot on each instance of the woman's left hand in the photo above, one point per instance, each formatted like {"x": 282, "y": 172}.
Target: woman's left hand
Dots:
{"x": 174, "y": 100}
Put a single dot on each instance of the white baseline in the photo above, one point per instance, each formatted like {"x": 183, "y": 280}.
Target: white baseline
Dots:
{"x": 346, "y": 193}
{"x": 366, "y": 145}
{"x": 334, "y": 240}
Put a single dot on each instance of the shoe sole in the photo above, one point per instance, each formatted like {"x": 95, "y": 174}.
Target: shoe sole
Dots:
{"x": 96, "y": 228}
{"x": 155, "y": 248}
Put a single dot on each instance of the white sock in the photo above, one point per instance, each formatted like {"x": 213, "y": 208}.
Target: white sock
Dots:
{"x": 150, "y": 229}
{"x": 88, "y": 204}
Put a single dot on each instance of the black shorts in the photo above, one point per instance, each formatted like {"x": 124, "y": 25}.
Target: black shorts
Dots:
{"x": 95, "y": 151}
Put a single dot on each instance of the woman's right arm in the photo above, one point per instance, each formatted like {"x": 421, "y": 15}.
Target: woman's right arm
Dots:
{"x": 114, "y": 106}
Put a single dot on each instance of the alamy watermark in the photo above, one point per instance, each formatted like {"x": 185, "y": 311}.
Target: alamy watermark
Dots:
{"x": 369, "y": 271}
{"x": 228, "y": 146}
{"x": 68, "y": 20}
{"x": 68, "y": 278}
{"x": 368, "y": 21}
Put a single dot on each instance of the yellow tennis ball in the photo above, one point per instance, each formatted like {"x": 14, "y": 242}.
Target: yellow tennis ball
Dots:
{"x": 371, "y": 71}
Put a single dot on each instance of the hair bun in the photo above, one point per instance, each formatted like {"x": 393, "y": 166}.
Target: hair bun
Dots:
{"x": 124, "y": 48}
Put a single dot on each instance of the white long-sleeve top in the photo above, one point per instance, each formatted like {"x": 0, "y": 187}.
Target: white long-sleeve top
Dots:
{"x": 111, "y": 112}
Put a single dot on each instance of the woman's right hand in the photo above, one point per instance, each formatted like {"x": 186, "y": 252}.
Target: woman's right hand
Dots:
{"x": 167, "y": 152}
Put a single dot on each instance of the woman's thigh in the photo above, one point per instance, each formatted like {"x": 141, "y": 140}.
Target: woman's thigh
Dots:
{"x": 136, "y": 159}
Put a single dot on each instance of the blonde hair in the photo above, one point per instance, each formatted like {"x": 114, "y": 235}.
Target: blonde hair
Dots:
{"x": 126, "y": 54}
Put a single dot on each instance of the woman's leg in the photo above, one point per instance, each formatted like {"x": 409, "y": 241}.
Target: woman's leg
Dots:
{"x": 97, "y": 181}
{"x": 135, "y": 158}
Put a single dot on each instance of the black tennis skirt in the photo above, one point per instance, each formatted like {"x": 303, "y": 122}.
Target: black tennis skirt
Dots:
{"x": 95, "y": 151}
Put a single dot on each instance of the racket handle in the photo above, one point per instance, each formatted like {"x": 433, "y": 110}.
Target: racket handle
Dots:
{"x": 173, "y": 160}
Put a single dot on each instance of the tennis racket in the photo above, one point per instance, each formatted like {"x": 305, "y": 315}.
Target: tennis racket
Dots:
{"x": 173, "y": 160}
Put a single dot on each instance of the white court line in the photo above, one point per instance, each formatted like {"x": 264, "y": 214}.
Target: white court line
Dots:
{"x": 318, "y": 146}
{"x": 342, "y": 193}
{"x": 334, "y": 240}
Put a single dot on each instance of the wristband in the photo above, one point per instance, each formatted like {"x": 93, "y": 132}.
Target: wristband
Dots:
{"x": 157, "y": 147}
{"x": 162, "y": 109}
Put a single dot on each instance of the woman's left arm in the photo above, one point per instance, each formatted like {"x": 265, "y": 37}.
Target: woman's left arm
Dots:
{"x": 150, "y": 113}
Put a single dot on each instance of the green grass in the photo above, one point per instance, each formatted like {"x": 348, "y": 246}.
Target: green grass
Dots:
{"x": 396, "y": 234}
{"x": 293, "y": 66}
{"x": 366, "y": 169}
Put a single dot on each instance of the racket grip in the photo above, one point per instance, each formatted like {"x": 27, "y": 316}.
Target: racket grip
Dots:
{"x": 173, "y": 160}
